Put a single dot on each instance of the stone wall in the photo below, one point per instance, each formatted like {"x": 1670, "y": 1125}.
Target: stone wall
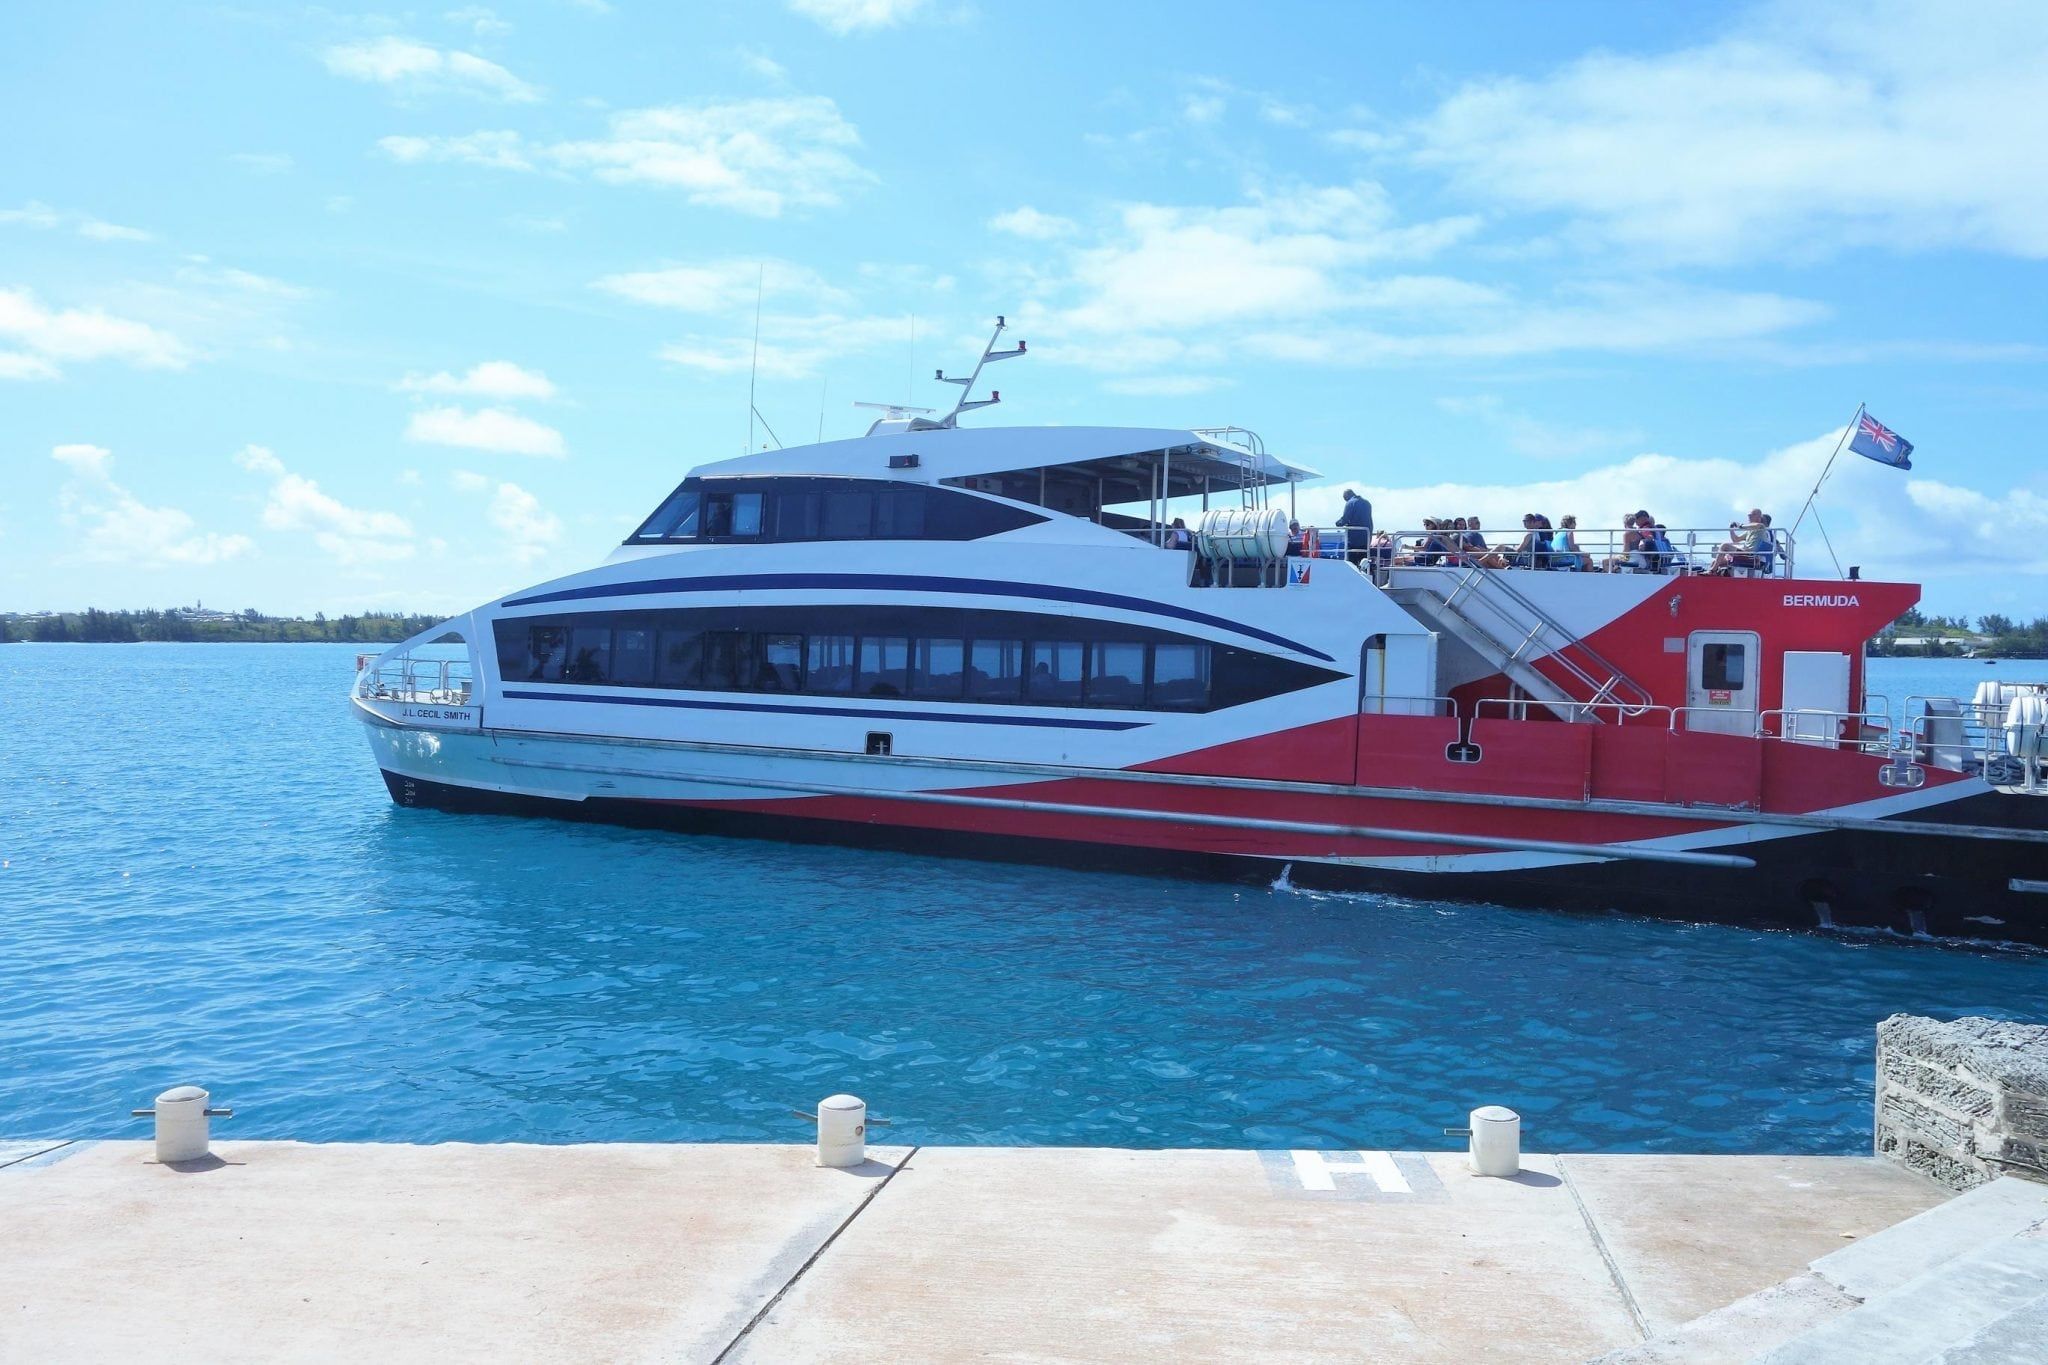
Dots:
{"x": 1963, "y": 1102}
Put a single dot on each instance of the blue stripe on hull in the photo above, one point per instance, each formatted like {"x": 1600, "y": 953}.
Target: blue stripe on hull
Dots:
{"x": 888, "y": 582}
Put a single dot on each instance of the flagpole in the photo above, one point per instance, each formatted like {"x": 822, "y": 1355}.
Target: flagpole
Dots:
{"x": 1824, "y": 469}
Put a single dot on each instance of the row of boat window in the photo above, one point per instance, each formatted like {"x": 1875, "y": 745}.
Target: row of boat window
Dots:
{"x": 929, "y": 653}
{"x": 786, "y": 509}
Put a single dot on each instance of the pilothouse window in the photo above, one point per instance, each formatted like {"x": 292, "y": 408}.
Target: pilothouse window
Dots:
{"x": 821, "y": 508}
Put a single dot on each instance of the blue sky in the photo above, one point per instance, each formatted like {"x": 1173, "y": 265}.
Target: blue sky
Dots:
{"x": 331, "y": 309}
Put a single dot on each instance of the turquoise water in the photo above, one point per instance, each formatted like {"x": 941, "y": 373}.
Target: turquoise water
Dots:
{"x": 204, "y": 881}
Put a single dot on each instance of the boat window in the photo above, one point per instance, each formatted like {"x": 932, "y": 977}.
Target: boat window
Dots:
{"x": 828, "y": 664}
{"x": 796, "y": 515}
{"x": 1055, "y": 670}
{"x": 884, "y": 666}
{"x": 728, "y": 659}
{"x": 633, "y": 656}
{"x": 681, "y": 659}
{"x": 849, "y": 514}
{"x": 822, "y": 508}
{"x": 1116, "y": 674}
{"x": 782, "y": 660}
{"x": 939, "y": 668}
{"x": 547, "y": 651}
{"x": 996, "y": 670}
{"x": 675, "y": 519}
{"x": 1721, "y": 667}
{"x": 1180, "y": 676}
{"x": 899, "y": 514}
{"x": 590, "y": 655}
{"x": 930, "y": 653}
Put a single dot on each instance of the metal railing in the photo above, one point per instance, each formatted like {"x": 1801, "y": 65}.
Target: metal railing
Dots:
{"x": 1542, "y": 639}
{"x": 1693, "y": 551}
{"x": 1517, "y": 708}
{"x": 415, "y": 679}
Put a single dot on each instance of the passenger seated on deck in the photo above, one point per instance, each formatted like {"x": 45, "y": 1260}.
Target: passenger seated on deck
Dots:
{"x": 1564, "y": 546}
{"x": 1475, "y": 544}
{"x": 1659, "y": 547}
{"x": 1741, "y": 549}
{"x": 1178, "y": 537}
{"x": 1382, "y": 550}
{"x": 1631, "y": 548}
{"x": 1534, "y": 551}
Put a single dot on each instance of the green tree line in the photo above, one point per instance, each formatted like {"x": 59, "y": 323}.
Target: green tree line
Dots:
{"x": 96, "y": 626}
{"x": 2002, "y": 636}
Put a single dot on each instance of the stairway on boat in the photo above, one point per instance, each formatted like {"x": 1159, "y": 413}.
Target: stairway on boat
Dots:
{"x": 1512, "y": 634}
{"x": 1965, "y": 1283}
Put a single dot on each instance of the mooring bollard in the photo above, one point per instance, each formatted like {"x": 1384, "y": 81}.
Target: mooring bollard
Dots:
{"x": 1496, "y": 1141}
{"x": 842, "y": 1131}
{"x": 182, "y": 1130}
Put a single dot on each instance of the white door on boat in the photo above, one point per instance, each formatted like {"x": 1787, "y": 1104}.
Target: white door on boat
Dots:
{"x": 1720, "y": 681}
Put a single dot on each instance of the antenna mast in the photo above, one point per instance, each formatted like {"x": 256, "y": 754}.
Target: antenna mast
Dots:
{"x": 989, "y": 353}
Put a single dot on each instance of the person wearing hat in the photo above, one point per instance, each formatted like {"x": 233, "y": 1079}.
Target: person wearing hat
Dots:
{"x": 1356, "y": 519}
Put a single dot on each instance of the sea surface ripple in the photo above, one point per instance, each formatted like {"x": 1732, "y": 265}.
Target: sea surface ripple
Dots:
{"x": 204, "y": 881}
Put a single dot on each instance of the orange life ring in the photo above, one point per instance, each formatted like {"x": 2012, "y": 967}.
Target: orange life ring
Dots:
{"x": 1311, "y": 543}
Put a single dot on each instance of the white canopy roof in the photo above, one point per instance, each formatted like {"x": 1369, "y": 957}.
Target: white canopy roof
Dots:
{"x": 1115, "y": 455}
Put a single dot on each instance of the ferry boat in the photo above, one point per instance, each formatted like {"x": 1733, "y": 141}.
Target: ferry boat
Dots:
{"x": 995, "y": 642}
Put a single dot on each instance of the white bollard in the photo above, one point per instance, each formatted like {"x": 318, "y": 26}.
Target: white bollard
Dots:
{"x": 1496, "y": 1141}
{"x": 182, "y": 1130}
{"x": 842, "y": 1131}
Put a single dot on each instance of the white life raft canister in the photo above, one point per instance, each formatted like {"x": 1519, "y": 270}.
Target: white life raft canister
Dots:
{"x": 2025, "y": 719}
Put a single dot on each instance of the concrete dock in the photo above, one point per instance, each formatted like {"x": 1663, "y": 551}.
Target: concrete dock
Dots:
{"x": 286, "y": 1251}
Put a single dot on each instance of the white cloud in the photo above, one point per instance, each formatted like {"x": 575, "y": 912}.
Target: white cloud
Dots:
{"x": 33, "y": 214}
{"x": 101, "y": 231}
{"x": 86, "y": 461}
{"x": 530, "y": 530}
{"x": 483, "y": 22}
{"x": 851, "y": 16}
{"x": 116, "y": 527}
{"x": 762, "y": 65}
{"x": 720, "y": 286}
{"x": 415, "y": 67}
{"x": 793, "y": 346}
{"x": 1029, "y": 222}
{"x": 1860, "y": 507}
{"x": 1805, "y": 129}
{"x": 351, "y": 535}
{"x": 485, "y": 429}
{"x": 1534, "y": 437}
{"x": 36, "y": 214}
{"x": 259, "y": 460}
{"x": 758, "y": 156}
{"x": 490, "y": 379}
{"x": 500, "y": 150}
{"x": 1312, "y": 275}
{"x": 81, "y": 334}
{"x": 243, "y": 281}
{"x": 17, "y": 365}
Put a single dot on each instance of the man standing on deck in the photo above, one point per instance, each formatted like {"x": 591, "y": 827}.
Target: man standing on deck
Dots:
{"x": 1356, "y": 519}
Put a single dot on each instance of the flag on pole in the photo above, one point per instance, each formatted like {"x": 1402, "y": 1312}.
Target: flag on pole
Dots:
{"x": 1874, "y": 440}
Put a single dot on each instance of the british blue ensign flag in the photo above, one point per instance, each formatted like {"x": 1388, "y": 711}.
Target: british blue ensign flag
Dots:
{"x": 1879, "y": 442}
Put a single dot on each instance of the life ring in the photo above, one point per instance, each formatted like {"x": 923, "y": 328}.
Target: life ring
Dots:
{"x": 1311, "y": 543}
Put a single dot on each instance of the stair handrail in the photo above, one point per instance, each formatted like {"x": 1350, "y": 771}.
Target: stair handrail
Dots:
{"x": 1482, "y": 581}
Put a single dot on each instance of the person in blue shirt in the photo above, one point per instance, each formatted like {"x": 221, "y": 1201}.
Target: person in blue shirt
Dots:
{"x": 1356, "y": 519}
